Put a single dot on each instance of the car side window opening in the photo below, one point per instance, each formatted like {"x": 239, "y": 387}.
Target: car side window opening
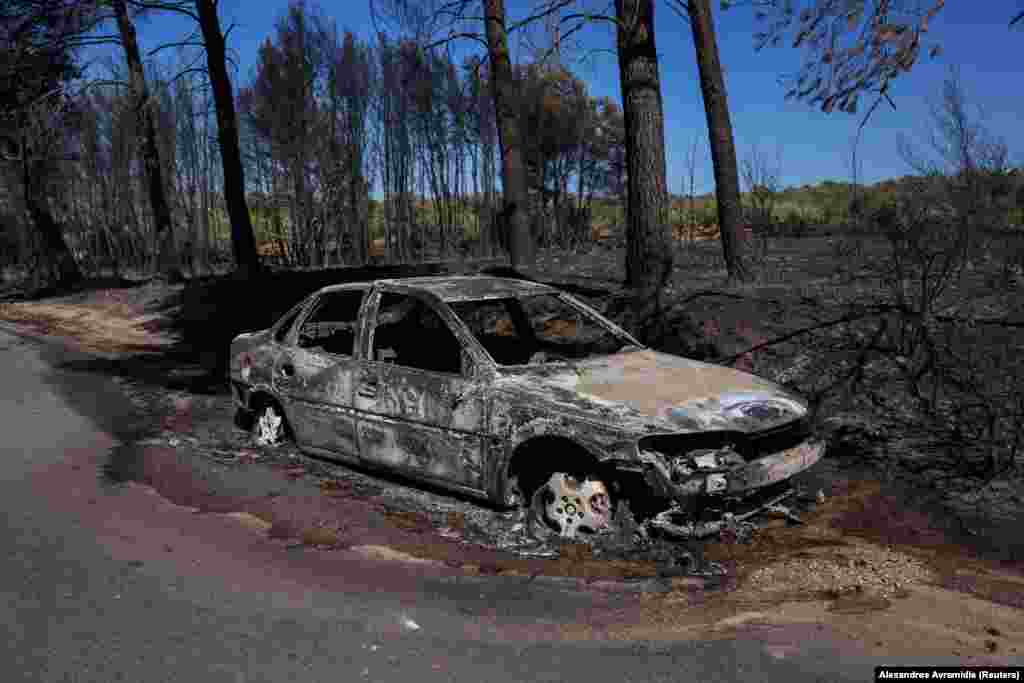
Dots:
{"x": 411, "y": 333}
{"x": 286, "y": 325}
{"x": 332, "y": 324}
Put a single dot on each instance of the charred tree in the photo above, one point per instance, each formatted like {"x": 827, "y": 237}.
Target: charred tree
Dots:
{"x": 61, "y": 270}
{"x": 723, "y": 148}
{"x": 38, "y": 39}
{"x": 243, "y": 240}
{"x": 514, "y": 220}
{"x": 648, "y": 256}
{"x": 166, "y": 261}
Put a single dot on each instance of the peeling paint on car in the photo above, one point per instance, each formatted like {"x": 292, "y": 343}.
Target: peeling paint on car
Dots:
{"x": 647, "y": 391}
{"x": 435, "y": 422}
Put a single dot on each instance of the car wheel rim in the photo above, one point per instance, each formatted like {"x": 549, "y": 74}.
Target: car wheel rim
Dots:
{"x": 573, "y": 506}
{"x": 269, "y": 427}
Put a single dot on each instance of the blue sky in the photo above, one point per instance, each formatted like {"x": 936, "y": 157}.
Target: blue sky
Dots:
{"x": 814, "y": 146}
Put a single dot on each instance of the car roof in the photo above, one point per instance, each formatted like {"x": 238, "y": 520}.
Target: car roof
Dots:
{"x": 460, "y": 287}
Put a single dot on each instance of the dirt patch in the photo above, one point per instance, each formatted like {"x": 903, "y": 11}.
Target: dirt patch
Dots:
{"x": 383, "y": 552}
{"x": 818, "y": 562}
{"x": 926, "y": 622}
{"x": 876, "y": 573}
{"x": 251, "y": 521}
{"x": 124, "y": 320}
{"x": 849, "y": 570}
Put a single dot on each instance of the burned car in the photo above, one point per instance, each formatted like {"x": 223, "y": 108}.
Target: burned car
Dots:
{"x": 519, "y": 393}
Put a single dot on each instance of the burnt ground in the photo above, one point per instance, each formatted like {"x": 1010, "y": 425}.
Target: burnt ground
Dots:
{"x": 868, "y": 548}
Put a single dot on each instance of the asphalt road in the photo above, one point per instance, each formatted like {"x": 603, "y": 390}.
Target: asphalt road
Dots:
{"x": 111, "y": 583}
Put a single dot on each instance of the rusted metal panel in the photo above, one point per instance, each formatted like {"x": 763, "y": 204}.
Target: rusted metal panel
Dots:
{"x": 316, "y": 390}
{"x": 251, "y": 363}
{"x": 645, "y": 391}
{"x": 519, "y": 421}
{"x": 421, "y": 421}
{"x": 261, "y": 366}
{"x": 420, "y": 450}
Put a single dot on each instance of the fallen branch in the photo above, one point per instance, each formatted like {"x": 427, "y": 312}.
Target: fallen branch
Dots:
{"x": 850, "y": 317}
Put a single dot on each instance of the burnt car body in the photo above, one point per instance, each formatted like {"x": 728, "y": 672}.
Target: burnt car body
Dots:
{"x": 518, "y": 393}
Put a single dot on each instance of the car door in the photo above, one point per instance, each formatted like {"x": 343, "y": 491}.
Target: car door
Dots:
{"x": 315, "y": 373}
{"x": 420, "y": 406}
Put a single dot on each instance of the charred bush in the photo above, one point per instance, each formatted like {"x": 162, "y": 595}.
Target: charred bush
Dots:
{"x": 930, "y": 349}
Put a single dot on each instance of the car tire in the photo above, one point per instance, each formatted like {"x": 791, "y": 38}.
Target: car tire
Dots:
{"x": 569, "y": 507}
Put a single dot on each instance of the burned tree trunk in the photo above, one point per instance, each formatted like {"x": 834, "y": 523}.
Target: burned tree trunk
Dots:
{"x": 166, "y": 261}
{"x": 243, "y": 241}
{"x": 723, "y": 149}
{"x": 648, "y": 256}
{"x": 514, "y": 223}
{"x": 64, "y": 271}
{"x": 61, "y": 270}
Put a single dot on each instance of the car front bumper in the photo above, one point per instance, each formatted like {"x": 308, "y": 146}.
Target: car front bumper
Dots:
{"x": 774, "y": 468}
{"x": 739, "y": 481}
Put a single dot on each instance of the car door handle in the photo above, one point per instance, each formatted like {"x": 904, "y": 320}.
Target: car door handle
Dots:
{"x": 287, "y": 370}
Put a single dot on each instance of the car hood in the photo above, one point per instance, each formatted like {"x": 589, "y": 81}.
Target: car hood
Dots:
{"x": 649, "y": 391}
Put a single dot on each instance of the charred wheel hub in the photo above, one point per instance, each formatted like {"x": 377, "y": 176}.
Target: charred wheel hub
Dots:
{"x": 269, "y": 427}
{"x": 573, "y": 505}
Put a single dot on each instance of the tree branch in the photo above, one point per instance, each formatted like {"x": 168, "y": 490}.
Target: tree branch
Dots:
{"x": 453, "y": 36}
{"x": 554, "y": 7}
{"x": 681, "y": 8}
{"x": 177, "y": 7}
{"x": 188, "y": 42}
{"x": 185, "y": 72}
{"x": 842, "y": 320}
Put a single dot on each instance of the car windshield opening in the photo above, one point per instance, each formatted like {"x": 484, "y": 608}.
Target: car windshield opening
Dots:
{"x": 537, "y": 328}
